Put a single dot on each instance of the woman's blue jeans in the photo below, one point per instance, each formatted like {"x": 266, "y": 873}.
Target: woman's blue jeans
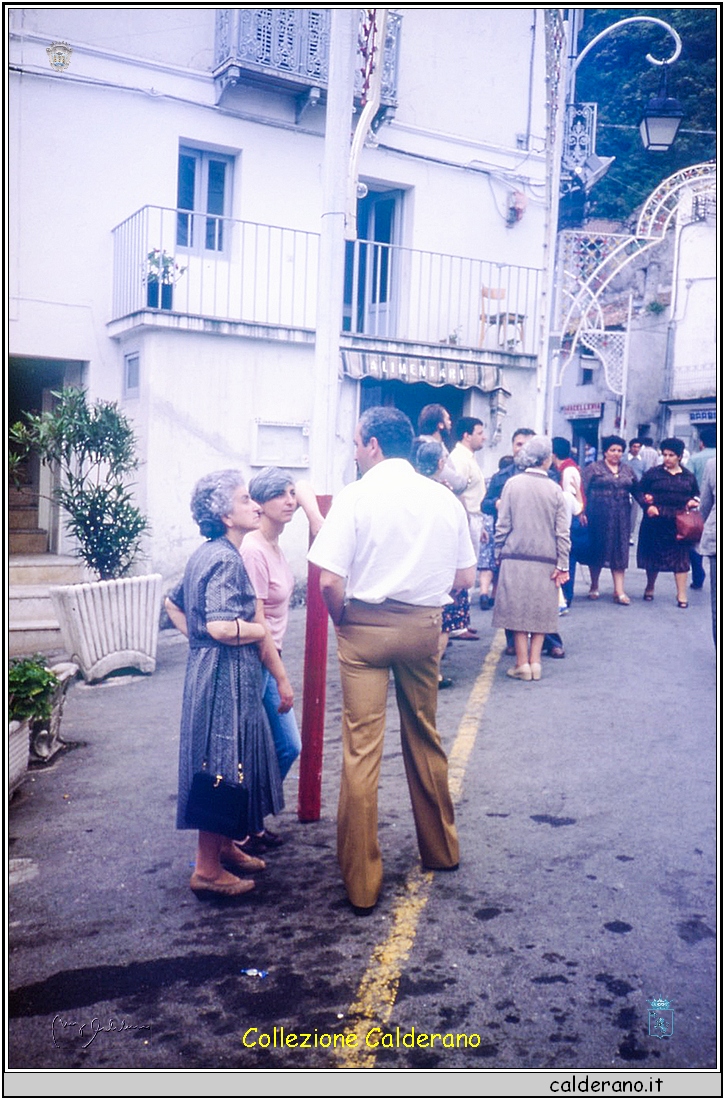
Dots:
{"x": 285, "y": 733}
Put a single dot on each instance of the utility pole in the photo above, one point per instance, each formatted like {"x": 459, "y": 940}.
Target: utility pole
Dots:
{"x": 330, "y": 290}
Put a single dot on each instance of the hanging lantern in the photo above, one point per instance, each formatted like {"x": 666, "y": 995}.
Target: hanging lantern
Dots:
{"x": 661, "y": 119}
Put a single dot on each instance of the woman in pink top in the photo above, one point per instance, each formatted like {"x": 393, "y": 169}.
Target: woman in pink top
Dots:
{"x": 273, "y": 581}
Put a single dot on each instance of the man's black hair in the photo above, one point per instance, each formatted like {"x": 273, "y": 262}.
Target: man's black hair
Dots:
{"x": 466, "y": 425}
{"x": 392, "y": 429}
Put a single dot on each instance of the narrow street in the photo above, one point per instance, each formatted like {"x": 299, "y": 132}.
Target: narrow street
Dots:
{"x": 587, "y": 815}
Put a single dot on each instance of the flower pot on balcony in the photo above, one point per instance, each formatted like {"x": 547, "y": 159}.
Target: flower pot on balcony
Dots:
{"x": 109, "y": 625}
{"x": 152, "y": 295}
{"x": 18, "y": 752}
{"x": 162, "y": 272}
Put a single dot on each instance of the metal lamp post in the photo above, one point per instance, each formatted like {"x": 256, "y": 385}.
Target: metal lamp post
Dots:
{"x": 581, "y": 168}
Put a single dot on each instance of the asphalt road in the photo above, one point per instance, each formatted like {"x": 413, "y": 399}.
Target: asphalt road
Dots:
{"x": 587, "y": 817}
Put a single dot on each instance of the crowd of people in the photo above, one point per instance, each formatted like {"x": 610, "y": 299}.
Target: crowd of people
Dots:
{"x": 398, "y": 556}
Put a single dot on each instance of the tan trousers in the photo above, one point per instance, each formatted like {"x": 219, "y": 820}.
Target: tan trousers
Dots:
{"x": 373, "y": 639}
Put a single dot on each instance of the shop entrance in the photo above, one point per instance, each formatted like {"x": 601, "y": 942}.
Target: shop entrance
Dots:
{"x": 584, "y": 434}
{"x": 410, "y": 398}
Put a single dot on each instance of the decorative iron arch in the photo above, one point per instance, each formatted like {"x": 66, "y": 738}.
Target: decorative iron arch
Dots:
{"x": 601, "y": 257}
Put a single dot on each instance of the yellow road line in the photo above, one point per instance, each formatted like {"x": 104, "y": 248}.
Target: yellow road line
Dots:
{"x": 378, "y": 990}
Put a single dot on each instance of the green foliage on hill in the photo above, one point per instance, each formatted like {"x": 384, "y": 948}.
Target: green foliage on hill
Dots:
{"x": 617, "y": 76}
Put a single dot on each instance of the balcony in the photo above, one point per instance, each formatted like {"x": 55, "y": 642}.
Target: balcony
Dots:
{"x": 232, "y": 276}
{"x": 287, "y": 49}
{"x": 179, "y": 269}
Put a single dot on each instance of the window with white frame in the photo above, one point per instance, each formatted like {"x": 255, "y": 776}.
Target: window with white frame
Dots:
{"x": 204, "y": 190}
{"x": 131, "y": 374}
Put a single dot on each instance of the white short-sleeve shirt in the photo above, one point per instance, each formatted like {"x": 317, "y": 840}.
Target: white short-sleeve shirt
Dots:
{"x": 395, "y": 535}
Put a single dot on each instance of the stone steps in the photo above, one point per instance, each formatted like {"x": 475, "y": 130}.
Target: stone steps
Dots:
{"x": 33, "y": 626}
{"x": 46, "y": 569}
{"x": 23, "y": 517}
{"x": 29, "y": 540}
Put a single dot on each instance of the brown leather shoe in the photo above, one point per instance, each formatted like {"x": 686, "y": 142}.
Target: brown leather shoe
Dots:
{"x": 556, "y": 651}
{"x": 235, "y": 859}
{"x": 207, "y": 887}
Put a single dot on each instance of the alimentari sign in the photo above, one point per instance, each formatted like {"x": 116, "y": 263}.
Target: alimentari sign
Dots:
{"x": 408, "y": 368}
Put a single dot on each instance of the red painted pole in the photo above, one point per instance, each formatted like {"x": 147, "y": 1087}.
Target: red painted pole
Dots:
{"x": 313, "y": 696}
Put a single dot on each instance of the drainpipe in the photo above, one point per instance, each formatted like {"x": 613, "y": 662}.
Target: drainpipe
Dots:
{"x": 331, "y": 269}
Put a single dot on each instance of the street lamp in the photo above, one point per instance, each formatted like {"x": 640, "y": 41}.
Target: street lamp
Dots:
{"x": 661, "y": 120}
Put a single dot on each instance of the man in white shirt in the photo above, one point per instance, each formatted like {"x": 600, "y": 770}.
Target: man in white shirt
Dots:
{"x": 390, "y": 550}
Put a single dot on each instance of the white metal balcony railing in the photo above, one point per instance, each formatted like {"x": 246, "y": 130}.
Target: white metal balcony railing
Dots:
{"x": 238, "y": 271}
{"x": 435, "y": 298}
{"x": 230, "y": 270}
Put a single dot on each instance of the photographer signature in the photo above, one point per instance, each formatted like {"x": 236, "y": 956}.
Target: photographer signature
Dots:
{"x": 91, "y": 1028}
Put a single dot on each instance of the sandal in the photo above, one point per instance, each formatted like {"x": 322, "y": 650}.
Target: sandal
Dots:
{"x": 682, "y": 603}
{"x": 648, "y": 596}
{"x": 593, "y": 594}
{"x": 623, "y": 600}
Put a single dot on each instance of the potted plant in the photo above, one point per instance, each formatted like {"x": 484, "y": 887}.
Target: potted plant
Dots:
{"x": 111, "y": 623}
{"x": 162, "y": 273}
{"x": 36, "y": 695}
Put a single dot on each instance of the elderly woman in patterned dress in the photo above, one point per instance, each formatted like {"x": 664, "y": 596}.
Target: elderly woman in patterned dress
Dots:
{"x": 215, "y": 606}
{"x": 607, "y": 486}
{"x": 663, "y": 491}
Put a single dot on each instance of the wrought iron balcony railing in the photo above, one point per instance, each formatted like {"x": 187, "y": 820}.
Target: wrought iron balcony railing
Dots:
{"x": 201, "y": 265}
{"x": 222, "y": 269}
{"x": 289, "y": 47}
{"x": 434, "y": 298}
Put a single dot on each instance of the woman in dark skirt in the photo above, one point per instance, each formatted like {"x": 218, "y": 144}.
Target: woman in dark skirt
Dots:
{"x": 222, "y": 712}
{"x": 607, "y": 486}
{"x": 663, "y": 491}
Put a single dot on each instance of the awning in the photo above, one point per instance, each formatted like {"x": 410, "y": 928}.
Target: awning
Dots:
{"x": 435, "y": 371}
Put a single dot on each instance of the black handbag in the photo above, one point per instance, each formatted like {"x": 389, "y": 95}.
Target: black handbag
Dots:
{"x": 215, "y": 805}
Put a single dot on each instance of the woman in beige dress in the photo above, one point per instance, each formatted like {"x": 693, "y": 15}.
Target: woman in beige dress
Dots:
{"x": 532, "y": 546}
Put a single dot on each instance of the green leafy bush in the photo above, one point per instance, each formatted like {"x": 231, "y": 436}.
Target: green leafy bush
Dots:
{"x": 31, "y": 686}
{"x": 93, "y": 448}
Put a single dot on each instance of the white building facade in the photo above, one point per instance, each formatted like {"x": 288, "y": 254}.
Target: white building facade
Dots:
{"x": 166, "y": 193}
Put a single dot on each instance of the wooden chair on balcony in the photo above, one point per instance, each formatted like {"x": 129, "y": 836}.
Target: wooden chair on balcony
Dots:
{"x": 502, "y": 319}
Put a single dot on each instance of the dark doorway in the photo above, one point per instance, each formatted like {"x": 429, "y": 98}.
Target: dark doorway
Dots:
{"x": 584, "y": 433}
{"x": 410, "y": 398}
{"x": 33, "y": 520}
